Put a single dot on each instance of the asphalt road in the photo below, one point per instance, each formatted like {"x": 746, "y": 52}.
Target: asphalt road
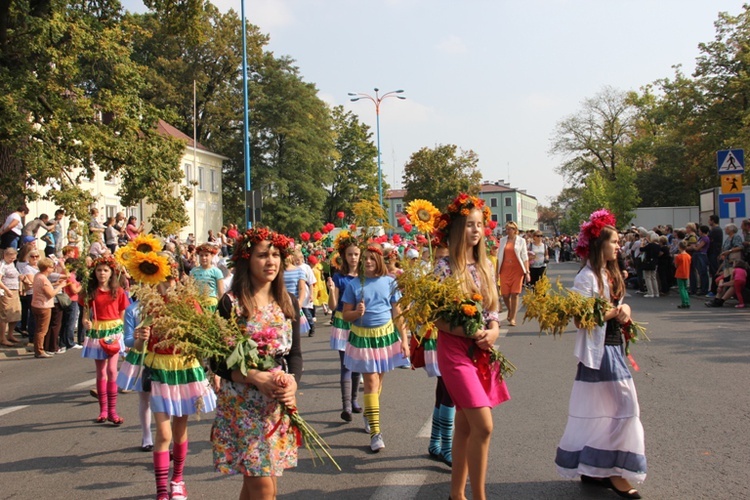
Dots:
{"x": 692, "y": 386}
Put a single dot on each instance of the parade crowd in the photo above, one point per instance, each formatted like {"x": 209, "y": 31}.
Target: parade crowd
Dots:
{"x": 75, "y": 293}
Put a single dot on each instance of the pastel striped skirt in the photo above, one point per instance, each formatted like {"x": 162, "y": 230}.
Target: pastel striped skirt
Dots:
{"x": 339, "y": 332}
{"x": 429, "y": 335}
{"x": 178, "y": 385}
{"x": 92, "y": 349}
{"x": 604, "y": 436}
{"x": 374, "y": 350}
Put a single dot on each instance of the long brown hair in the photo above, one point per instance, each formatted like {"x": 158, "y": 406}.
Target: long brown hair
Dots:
{"x": 457, "y": 250}
{"x": 597, "y": 262}
{"x": 243, "y": 290}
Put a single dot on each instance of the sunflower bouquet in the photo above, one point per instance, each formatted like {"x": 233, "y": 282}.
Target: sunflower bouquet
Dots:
{"x": 197, "y": 333}
{"x": 144, "y": 261}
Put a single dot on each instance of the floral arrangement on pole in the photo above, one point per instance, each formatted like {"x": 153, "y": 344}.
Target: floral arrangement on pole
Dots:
{"x": 340, "y": 215}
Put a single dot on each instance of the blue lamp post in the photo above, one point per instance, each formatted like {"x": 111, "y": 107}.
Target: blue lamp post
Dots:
{"x": 246, "y": 120}
{"x": 377, "y": 100}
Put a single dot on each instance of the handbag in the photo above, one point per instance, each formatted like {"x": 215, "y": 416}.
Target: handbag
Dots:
{"x": 146, "y": 379}
{"x": 63, "y": 299}
{"x": 110, "y": 345}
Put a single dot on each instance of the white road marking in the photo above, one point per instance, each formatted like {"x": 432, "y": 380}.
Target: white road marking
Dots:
{"x": 11, "y": 409}
{"x": 426, "y": 429}
{"x": 399, "y": 486}
{"x": 82, "y": 385}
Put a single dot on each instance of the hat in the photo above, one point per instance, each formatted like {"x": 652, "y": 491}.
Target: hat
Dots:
{"x": 412, "y": 253}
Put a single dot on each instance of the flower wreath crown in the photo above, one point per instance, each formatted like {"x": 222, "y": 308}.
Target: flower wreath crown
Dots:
{"x": 461, "y": 206}
{"x": 254, "y": 236}
{"x": 591, "y": 229}
{"x": 344, "y": 240}
{"x": 107, "y": 260}
{"x": 207, "y": 248}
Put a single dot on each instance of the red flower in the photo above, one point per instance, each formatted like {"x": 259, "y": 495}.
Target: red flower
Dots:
{"x": 304, "y": 236}
{"x": 407, "y": 227}
{"x": 401, "y": 221}
{"x": 487, "y": 231}
{"x": 381, "y": 239}
{"x": 353, "y": 227}
{"x": 396, "y": 239}
{"x": 493, "y": 224}
{"x": 421, "y": 239}
{"x": 340, "y": 215}
{"x": 317, "y": 236}
{"x": 328, "y": 227}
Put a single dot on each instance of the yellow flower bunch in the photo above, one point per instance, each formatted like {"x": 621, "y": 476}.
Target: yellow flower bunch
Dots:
{"x": 144, "y": 261}
{"x": 423, "y": 215}
{"x": 423, "y": 295}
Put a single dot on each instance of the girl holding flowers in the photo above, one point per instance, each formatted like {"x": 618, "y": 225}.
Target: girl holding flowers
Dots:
{"x": 349, "y": 252}
{"x": 175, "y": 387}
{"x": 603, "y": 440}
{"x": 374, "y": 346}
{"x": 252, "y": 434}
{"x": 107, "y": 302}
{"x": 473, "y": 389}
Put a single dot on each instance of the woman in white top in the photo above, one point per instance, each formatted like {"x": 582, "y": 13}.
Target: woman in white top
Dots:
{"x": 10, "y": 302}
{"x": 538, "y": 257}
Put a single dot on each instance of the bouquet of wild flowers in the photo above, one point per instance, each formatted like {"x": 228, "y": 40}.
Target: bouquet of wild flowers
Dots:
{"x": 426, "y": 298}
{"x": 196, "y": 333}
{"x": 554, "y": 308}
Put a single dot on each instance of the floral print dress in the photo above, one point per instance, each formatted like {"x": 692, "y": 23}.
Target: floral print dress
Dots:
{"x": 251, "y": 434}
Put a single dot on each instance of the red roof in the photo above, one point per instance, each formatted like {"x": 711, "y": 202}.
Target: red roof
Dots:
{"x": 166, "y": 129}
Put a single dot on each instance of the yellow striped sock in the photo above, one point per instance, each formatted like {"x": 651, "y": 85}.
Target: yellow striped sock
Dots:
{"x": 372, "y": 412}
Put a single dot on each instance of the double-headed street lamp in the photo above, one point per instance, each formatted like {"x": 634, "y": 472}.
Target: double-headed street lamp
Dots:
{"x": 377, "y": 100}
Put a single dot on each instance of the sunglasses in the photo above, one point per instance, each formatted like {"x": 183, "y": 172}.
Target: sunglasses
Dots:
{"x": 33, "y": 256}
{"x": 537, "y": 236}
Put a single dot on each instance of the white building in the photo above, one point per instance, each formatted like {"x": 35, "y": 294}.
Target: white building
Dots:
{"x": 204, "y": 209}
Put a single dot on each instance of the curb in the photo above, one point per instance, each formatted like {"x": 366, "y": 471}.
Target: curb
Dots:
{"x": 14, "y": 352}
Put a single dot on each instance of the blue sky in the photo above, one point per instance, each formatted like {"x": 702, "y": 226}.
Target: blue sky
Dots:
{"x": 493, "y": 76}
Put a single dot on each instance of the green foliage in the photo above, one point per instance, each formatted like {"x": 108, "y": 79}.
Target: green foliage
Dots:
{"x": 439, "y": 174}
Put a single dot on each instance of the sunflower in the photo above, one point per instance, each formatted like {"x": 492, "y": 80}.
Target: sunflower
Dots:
{"x": 123, "y": 254}
{"x": 149, "y": 268}
{"x": 423, "y": 215}
{"x": 145, "y": 243}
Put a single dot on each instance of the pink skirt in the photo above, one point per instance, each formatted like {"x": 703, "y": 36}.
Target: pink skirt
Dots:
{"x": 463, "y": 379}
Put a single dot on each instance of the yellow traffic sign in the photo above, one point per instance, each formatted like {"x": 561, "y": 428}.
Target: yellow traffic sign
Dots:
{"x": 731, "y": 183}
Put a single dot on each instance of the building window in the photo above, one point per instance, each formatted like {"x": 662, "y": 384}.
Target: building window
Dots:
{"x": 188, "y": 174}
{"x": 494, "y": 217}
{"x": 201, "y": 180}
{"x": 399, "y": 208}
{"x": 508, "y": 217}
{"x": 493, "y": 202}
{"x": 214, "y": 184}
{"x": 110, "y": 210}
{"x": 507, "y": 201}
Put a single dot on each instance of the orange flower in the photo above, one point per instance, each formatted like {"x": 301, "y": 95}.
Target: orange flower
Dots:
{"x": 476, "y": 297}
{"x": 468, "y": 310}
{"x": 465, "y": 212}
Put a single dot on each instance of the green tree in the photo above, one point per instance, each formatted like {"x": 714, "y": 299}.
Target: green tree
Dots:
{"x": 355, "y": 168}
{"x": 70, "y": 102}
{"x": 439, "y": 174}
{"x": 550, "y": 216}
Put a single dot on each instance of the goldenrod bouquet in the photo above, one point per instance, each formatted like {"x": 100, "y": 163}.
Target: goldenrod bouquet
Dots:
{"x": 196, "y": 333}
{"x": 426, "y": 298}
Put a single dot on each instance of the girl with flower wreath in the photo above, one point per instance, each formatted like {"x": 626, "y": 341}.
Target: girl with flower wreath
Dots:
{"x": 375, "y": 346}
{"x": 473, "y": 391}
{"x": 348, "y": 250}
{"x": 208, "y": 276}
{"x": 252, "y": 434}
{"x": 176, "y": 388}
{"x": 107, "y": 302}
{"x": 603, "y": 441}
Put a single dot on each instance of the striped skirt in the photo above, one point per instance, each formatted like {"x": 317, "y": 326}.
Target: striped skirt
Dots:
{"x": 429, "y": 341}
{"x": 99, "y": 330}
{"x": 604, "y": 435}
{"x": 178, "y": 386}
{"x": 374, "y": 350}
{"x": 339, "y": 332}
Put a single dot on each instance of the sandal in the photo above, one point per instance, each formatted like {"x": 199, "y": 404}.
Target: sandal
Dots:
{"x": 116, "y": 420}
{"x": 5, "y": 343}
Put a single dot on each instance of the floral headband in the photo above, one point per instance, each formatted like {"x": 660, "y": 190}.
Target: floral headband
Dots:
{"x": 461, "y": 206}
{"x": 207, "y": 248}
{"x": 243, "y": 250}
{"x": 591, "y": 229}
{"x": 375, "y": 249}
{"x": 107, "y": 260}
{"x": 344, "y": 240}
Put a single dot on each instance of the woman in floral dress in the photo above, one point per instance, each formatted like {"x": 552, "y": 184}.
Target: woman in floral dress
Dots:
{"x": 251, "y": 434}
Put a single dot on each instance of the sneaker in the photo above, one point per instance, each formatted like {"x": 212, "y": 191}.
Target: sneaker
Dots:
{"x": 178, "y": 491}
{"x": 739, "y": 306}
{"x": 711, "y": 295}
{"x": 346, "y": 416}
{"x": 648, "y": 296}
{"x": 77, "y": 346}
{"x": 61, "y": 350}
{"x": 684, "y": 306}
{"x": 376, "y": 443}
{"x": 367, "y": 425}
{"x": 50, "y": 353}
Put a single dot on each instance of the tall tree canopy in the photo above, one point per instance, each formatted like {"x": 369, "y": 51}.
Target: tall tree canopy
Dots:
{"x": 70, "y": 101}
{"x": 438, "y": 174}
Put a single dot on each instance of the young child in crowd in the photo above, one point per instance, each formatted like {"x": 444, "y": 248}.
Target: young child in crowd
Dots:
{"x": 682, "y": 273}
{"x": 207, "y": 275}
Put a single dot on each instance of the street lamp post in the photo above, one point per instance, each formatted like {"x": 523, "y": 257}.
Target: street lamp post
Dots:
{"x": 246, "y": 120}
{"x": 356, "y": 96}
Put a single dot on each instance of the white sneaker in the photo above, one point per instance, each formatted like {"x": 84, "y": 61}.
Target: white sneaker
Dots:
{"x": 376, "y": 443}
{"x": 648, "y": 296}
{"x": 367, "y": 425}
{"x": 77, "y": 346}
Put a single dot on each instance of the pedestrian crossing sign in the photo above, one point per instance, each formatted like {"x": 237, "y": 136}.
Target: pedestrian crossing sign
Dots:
{"x": 731, "y": 183}
{"x": 730, "y": 161}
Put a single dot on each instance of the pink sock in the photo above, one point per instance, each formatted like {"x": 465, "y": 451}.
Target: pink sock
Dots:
{"x": 179, "y": 452}
{"x": 112, "y": 398}
{"x": 101, "y": 392}
{"x": 161, "y": 471}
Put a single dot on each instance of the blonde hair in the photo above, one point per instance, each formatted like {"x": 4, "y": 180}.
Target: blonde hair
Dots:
{"x": 457, "y": 251}
{"x": 44, "y": 264}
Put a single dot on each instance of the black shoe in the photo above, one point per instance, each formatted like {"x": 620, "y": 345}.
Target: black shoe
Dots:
{"x": 683, "y": 306}
{"x": 346, "y": 416}
{"x": 311, "y": 334}
{"x": 596, "y": 481}
{"x": 147, "y": 447}
{"x": 631, "y": 493}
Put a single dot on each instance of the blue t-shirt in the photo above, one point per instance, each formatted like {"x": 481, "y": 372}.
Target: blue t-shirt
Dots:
{"x": 292, "y": 278}
{"x": 341, "y": 281}
{"x": 379, "y": 294}
{"x": 208, "y": 279}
